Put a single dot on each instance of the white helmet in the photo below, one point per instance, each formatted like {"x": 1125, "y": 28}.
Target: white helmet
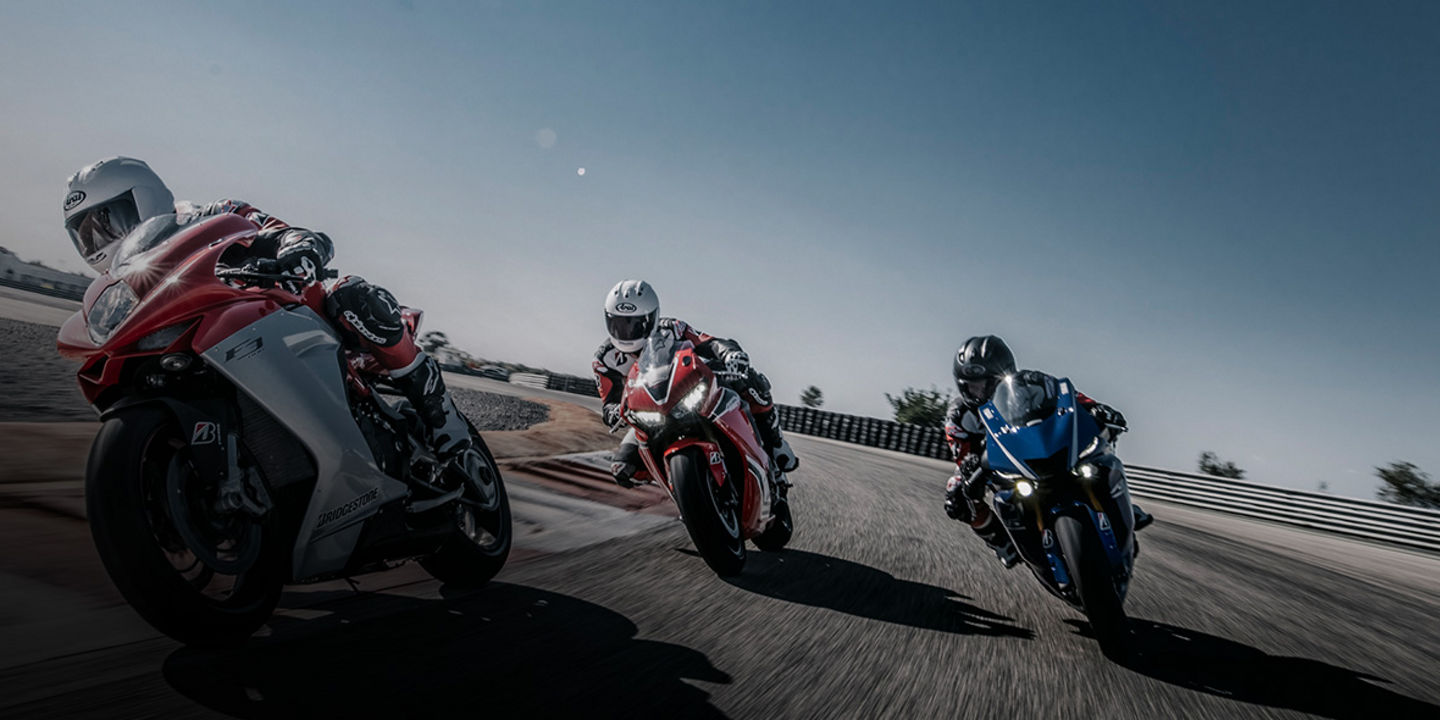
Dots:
{"x": 107, "y": 200}
{"x": 630, "y": 312}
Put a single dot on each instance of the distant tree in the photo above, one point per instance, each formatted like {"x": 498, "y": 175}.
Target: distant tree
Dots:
{"x": 432, "y": 341}
{"x": 1210, "y": 464}
{"x": 920, "y": 407}
{"x": 1408, "y": 485}
{"x": 811, "y": 397}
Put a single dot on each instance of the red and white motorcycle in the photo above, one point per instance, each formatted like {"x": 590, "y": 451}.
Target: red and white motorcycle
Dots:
{"x": 697, "y": 439}
{"x": 243, "y": 447}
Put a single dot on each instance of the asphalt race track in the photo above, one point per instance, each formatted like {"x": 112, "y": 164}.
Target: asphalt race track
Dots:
{"x": 882, "y": 607}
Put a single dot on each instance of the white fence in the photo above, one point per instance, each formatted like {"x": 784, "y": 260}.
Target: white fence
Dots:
{"x": 1415, "y": 528}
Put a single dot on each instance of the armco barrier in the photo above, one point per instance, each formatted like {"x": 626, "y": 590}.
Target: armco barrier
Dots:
{"x": 59, "y": 292}
{"x": 533, "y": 380}
{"x": 1414, "y": 528}
{"x": 1411, "y": 527}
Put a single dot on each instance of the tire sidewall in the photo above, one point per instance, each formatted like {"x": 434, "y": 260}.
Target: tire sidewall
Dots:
{"x": 115, "y": 501}
{"x": 723, "y": 552}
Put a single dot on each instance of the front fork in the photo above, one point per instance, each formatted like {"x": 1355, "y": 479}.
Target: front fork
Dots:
{"x": 211, "y": 433}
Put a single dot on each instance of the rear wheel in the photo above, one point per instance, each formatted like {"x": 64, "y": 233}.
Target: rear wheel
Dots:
{"x": 481, "y": 543}
{"x": 1094, "y": 584}
{"x": 199, "y": 575}
{"x": 711, "y": 513}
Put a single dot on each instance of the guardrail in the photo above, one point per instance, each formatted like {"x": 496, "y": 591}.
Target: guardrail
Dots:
{"x": 1412, "y": 527}
{"x": 1400, "y": 525}
{"x": 52, "y": 291}
{"x": 534, "y": 380}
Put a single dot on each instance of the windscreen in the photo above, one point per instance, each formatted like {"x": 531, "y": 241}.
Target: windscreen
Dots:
{"x": 149, "y": 235}
{"x": 656, "y": 364}
{"x": 1025, "y": 402}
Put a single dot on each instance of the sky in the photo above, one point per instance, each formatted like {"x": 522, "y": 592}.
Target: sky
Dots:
{"x": 1221, "y": 218}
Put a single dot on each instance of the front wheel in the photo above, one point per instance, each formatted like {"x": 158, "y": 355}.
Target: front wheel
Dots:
{"x": 201, "y": 576}
{"x": 711, "y": 513}
{"x": 481, "y": 543}
{"x": 1090, "y": 573}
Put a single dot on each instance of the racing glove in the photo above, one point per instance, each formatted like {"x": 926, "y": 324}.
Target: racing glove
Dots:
{"x": 737, "y": 362}
{"x": 610, "y": 415}
{"x": 303, "y": 253}
{"x": 1106, "y": 415}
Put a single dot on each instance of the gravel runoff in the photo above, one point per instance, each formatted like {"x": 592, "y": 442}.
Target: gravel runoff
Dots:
{"x": 37, "y": 385}
{"x": 491, "y": 412}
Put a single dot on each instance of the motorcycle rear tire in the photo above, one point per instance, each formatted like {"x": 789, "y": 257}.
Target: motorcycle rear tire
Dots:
{"x": 460, "y": 562}
{"x": 1090, "y": 573}
{"x": 722, "y": 548}
{"x": 122, "y": 505}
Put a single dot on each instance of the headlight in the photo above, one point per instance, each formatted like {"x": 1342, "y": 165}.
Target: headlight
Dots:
{"x": 1024, "y": 488}
{"x": 110, "y": 309}
{"x": 692, "y": 401}
{"x": 1087, "y": 471}
{"x": 646, "y": 418}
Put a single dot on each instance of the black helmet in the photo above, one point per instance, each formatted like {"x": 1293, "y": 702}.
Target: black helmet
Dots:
{"x": 979, "y": 364}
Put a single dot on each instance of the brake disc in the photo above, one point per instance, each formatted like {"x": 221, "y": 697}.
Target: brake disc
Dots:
{"x": 242, "y": 533}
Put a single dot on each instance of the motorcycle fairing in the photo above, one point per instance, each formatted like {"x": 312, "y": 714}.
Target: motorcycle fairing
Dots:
{"x": 1065, "y": 428}
{"x": 289, "y": 362}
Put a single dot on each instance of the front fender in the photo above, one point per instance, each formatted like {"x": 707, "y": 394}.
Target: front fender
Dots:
{"x": 708, "y": 450}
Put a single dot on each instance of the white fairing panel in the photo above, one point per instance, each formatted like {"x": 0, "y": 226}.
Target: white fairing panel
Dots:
{"x": 289, "y": 362}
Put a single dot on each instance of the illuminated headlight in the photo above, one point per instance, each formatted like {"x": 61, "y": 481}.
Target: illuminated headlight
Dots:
{"x": 110, "y": 309}
{"x": 161, "y": 339}
{"x": 692, "y": 401}
{"x": 1086, "y": 470}
{"x": 646, "y": 418}
{"x": 1024, "y": 488}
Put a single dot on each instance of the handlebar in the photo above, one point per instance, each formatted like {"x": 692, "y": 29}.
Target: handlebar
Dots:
{"x": 273, "y": 277}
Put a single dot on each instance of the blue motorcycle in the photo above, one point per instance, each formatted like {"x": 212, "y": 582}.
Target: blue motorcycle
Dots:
{"x": 1060, "y": 492}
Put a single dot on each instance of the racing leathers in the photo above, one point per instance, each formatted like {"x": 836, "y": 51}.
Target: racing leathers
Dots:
{"x": 964, "y": 491}
{"x": 612, "y": 366}
{"x": 367, "y": 316}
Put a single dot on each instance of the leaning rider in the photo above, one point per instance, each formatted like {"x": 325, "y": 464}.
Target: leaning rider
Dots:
{"x": 109, "y": 198}
{"x": 979, "y": 365}
{"x": 631, "y": 314}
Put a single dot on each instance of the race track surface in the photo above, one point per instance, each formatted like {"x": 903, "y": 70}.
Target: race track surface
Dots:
{"x": 883, "y": 607}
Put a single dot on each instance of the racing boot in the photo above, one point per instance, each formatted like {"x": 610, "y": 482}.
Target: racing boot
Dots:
{"x": 423, "y": 385}
{"x": 988, "y": 527}
{"x": 780, "y": 452}
{"x": 1142, "y": 518}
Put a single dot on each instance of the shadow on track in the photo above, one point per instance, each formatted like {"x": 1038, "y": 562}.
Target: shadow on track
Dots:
{"x": 504, "y": 651}
{"x": 1230, "y": 669}
{"x": 849, "y": 587}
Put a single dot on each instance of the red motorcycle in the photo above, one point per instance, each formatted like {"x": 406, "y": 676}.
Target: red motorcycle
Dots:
{"x": 242, "y": 447}
{"x": 697, "y": 439}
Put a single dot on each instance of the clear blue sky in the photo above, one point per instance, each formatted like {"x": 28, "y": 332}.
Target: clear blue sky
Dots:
{"x": 1220, "y": 217}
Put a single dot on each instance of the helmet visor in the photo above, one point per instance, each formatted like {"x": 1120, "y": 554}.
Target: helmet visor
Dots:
{"x": 979, "y": 390}
{"x": 100, "y": 226}
{"x": 628, "y": 328}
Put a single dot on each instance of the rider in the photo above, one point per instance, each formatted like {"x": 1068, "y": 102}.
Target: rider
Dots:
{"x": 111, "y": 197}
{"x": 632, "y": 313}
{"x": 980, "y": 364}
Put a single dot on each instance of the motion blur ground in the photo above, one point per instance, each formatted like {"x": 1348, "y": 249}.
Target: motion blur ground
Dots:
{"x": 878, "y": 601}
